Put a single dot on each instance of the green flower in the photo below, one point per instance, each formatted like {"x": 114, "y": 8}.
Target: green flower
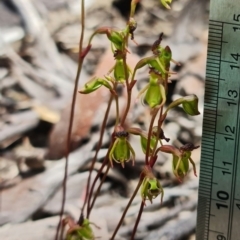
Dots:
{"x": 181, "y": 159}
{"x": 151, "y": 187}
{"x": 121, "y": 151}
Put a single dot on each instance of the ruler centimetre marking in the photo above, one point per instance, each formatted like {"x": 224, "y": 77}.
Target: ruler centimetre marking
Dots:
{"x": 219, "y": 186}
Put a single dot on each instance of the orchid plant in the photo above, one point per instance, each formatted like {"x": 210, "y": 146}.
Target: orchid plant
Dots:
{"x": 153, "y": 96}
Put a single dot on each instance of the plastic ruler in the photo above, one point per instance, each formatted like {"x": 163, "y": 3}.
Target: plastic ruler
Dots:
{"x": 219, "y": 187}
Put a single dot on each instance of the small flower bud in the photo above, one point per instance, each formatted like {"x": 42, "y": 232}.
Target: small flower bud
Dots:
{"x": 189, "y": 104}
{"x": 165, "y": 3}
{"x": 94, "y": 84}
{"x": 116, "y": 37}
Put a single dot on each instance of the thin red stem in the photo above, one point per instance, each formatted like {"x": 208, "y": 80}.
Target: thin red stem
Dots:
{"x": 127, "y": 207}
{"x": 98, "y": 189}
{"x": 129, "y": 92}
{"x": 149, "y": 136}
{"x": 68, "y": 146}
{"x": 137, "y": 220}
{"x": 96, "y": 153}
{"x": 96, "y": 178}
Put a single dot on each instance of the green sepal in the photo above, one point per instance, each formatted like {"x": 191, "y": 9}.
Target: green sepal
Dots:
{"x": 165, "y": 58}
{"x": 133, "y": 7}
{"x": 121, "y": 152}
{"x": 180, "y": 166}
{"x": 117, "y": 38}
{"x": 144, "y": 61}
{"x": 119, "y": 73}
{"x": 157, "y": 64}
{"x": 155, "y": 95}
